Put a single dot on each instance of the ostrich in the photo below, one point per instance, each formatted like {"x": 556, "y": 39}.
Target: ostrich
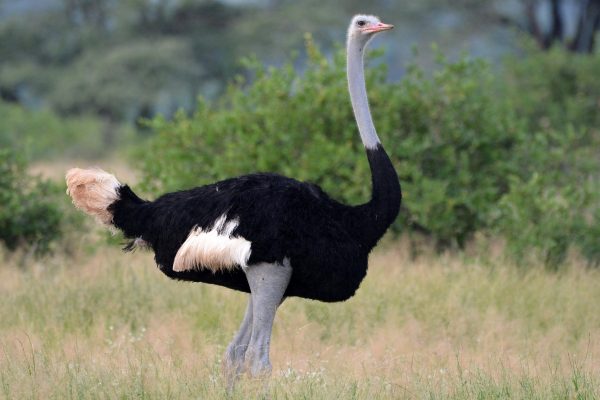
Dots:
{"x": 264, "y": 234}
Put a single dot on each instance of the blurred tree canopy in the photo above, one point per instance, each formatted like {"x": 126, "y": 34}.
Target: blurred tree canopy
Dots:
{"x": 114, "y": 59}
{"x": 121, "y": 60}
{"x": 571, "y": 22}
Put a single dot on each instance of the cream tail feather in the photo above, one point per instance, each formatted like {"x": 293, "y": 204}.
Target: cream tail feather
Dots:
{"x": 92, "y": 191}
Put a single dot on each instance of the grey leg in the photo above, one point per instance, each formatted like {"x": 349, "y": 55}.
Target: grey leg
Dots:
{"x": 233, "y": 362}
{"x": 268, "y": 283}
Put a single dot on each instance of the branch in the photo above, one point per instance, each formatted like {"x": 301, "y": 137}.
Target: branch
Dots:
{"x": 589, "y": 23}
{"x": 533, "y": 25}
{"x": 556, "y": 33}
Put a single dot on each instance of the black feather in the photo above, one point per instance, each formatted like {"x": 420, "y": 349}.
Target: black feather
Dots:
{"x": 326, "y": 242}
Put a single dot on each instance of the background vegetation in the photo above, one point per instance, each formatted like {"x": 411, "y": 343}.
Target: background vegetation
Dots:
{"x": 29, "y": 216}
{"x": 486, "y": 286}
{"x": 471, "y": 156}
{"x": 507, "y": 151}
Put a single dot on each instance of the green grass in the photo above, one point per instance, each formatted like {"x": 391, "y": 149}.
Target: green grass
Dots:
{"x": 109, "y": 325}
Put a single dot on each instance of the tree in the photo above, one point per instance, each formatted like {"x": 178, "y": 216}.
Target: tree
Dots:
{"x": 571, "y": 23}
{"x": 588, "y": 25}
{"x": 113, "y": 58}
{"x": 587, "y": 17}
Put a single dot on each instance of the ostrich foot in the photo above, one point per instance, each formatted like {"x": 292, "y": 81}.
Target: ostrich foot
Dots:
{"x": 233, "y": 362}
{"x": 257, "y": 363}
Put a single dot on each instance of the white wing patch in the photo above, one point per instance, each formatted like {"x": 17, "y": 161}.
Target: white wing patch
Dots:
{"x": 215, "y": 249}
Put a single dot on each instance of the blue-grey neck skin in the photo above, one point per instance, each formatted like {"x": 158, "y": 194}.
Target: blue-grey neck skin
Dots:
{"x": 358, "y": 91}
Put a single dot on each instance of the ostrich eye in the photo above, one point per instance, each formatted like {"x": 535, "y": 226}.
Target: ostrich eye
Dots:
{"x": 361, "y": 23}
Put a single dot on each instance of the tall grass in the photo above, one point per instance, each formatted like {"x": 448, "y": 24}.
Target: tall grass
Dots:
{"x": 109, "y": 325}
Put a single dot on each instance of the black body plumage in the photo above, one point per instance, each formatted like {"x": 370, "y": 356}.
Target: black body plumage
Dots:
{"x": 327, "y": 243}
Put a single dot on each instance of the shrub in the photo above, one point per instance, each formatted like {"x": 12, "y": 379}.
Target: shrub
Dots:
{"x": 544, "y": 221}
{"x": 300, "y": 127}
{"x": 43, "y": 134}
{"x": 29, "y": 214}
{"x": 554, "y": 204}
{"x": 450, "y": 139}
{"x": 555, "y": 89}
{"x": 468, "y": 154}
{"x": 455, "y": 141}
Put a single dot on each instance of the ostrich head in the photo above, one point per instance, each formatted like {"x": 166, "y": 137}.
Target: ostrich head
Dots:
{"x": 364, "y": 27}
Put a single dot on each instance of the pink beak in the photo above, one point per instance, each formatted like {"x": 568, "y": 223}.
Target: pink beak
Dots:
{"x": 378, "y": 28}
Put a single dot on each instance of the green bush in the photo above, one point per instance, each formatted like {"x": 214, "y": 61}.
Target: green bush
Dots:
{"x": 43, "y": 134}
{"x": 469, "y": 160}
{"x": 302, "y": 127}
{"x": 455, "y": 142}
{"x": 544, "y": 221}
{"x": 449, "y": 139}
{"x": 555, "y": 89}
{"x": 29, "y": 214}
{"x": 554, "y": 204}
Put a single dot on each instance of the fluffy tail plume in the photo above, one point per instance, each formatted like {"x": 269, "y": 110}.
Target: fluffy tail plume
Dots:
{"x": 93, "y": 191}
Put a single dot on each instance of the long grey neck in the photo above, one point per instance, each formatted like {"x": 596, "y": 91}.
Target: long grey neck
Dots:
{"x": 358, "y": 94}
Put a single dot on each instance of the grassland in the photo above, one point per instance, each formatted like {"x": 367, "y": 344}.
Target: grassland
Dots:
{"x": 101, "y": 324}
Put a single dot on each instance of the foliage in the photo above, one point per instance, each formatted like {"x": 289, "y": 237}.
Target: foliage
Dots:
{"x": 555, "y": 203}
{"x": 61, "y": 52}
{"x": 450, "y": 141}
{"x": 455, "y": 141}
{"x": 42, "y": 134}
{"x": 29, "y": 215}
{"x": 117, "y": 60}
{"x": 468, "y": 159}
{"x": 245, "y": 126}
{"x": 513, "y": 154}
{"x": 101, "y": 81}
{"x": 555, "y": 89}
{"x": 537, "y": 218}
{"x": 557, "y": 207}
